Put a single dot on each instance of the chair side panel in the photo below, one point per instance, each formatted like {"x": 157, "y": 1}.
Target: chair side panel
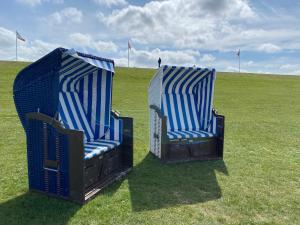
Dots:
{"x": 154, "y": 98}
{"x": 48, "y": 163}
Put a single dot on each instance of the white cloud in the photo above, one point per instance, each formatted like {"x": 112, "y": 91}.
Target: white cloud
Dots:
{"x": 33, "y": 3}
{"x": 36, "y": 49}
{"x": 67, "y": 15}
{"x": 207, "y": 58}
{"x": 221, "y": 25}
{"x": 122, "y": 62}
{"x": 86, "y": 41}
{"x": 269, "y": 48}
{"x": 111, "y": 3}
{"x": 30, "y": 2}
{"x": 27, "y": 51}
{"x": 249, "y": 63}
{"x": 295, "y": 72}
{"x": 7, "y": 38}
{"x": 289, "y": 66}
{"x": 57, "y": 1}
{"x": 148, "y": 58}
{"x": 293, "y": 69}
{"x": 179, "y": 23}
{"x": 236, "y": 69}
{"x": 100, "y": 16}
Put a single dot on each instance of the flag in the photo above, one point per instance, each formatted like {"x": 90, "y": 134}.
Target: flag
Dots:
{"x": 129, "y": 45}
{"x": 238, "y": 52}
{"x": 19, "y": 36}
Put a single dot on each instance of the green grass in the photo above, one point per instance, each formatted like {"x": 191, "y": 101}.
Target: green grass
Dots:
{"x": 257, "y": 183}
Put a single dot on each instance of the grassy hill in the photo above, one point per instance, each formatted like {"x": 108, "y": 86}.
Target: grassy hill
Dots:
{"x": 257, "y": 183}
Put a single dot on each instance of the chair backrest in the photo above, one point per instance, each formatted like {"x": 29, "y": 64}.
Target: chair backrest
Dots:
{"x": 72, "y": 115}
{"x": 187, "y": 97}
{"x": 95, "y": 95}
{"x": 85, "y": 97}
{"x": 204, "y": 100}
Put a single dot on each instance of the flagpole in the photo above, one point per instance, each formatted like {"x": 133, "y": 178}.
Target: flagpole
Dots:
{"x": 128, "y": 56}
{"x": 239, "y": 55}
{"x": 240, "y": 63}
{"x": 16, "y": 47}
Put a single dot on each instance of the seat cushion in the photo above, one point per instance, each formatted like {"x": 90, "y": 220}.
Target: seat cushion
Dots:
{"x": 188, "y": 134}
{"x": 94, "y": 148}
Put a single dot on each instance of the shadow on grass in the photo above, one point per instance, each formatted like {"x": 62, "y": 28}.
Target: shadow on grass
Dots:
{"x": 154, "y": 185}
{"x": 32, "y": 208}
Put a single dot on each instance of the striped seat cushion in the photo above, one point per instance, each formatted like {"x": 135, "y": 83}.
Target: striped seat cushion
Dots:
{"x": 94, "y": 148}
{"x": 182, "y": 134}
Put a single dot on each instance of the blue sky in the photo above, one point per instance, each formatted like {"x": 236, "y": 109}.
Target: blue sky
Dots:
{"x": 206, "y": 33}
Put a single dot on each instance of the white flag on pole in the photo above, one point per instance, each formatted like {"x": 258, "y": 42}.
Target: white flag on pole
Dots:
{"x": 19, "y": 36}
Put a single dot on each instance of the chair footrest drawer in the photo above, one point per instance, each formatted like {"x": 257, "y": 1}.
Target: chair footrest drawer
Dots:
{"x": 100, "y": 167}
{"x": 191, "y": 150}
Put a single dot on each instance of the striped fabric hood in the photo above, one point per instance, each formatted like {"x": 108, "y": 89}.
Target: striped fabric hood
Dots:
{"x": 85, "y": 88}
{"x": 186, "y": 97}
{"x": 74, "y": 86}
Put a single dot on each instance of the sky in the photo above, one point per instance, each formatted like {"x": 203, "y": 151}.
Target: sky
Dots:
{"x": 206, "y": 33}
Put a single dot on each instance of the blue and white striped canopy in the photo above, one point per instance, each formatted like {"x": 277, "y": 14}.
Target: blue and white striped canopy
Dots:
{"x": 85, "y": 87}
{"x": 186, "y": 100}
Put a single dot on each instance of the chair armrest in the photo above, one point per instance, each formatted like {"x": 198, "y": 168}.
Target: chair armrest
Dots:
{"x": 157, "y": 110}
{"x": 51, "y": 121}
{"x": 220, "y": 123}
{"x": 219, "y": 127}
{"x": 127, "y": 143}
{"x": 215, "y": 112}
{"x": 125, "y": 130}
{"x": 115, "y": 114}
{"x": 158, "y": 133}
{"x": 163, "y": 121}
{"x": 115, "y": 127}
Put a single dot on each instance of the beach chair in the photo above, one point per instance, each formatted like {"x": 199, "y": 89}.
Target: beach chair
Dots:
{"x": 183, "y": 124}
{"x": 76, "y": 144}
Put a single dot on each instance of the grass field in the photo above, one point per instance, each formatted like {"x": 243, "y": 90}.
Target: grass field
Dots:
{"x": 257, "y": 183}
